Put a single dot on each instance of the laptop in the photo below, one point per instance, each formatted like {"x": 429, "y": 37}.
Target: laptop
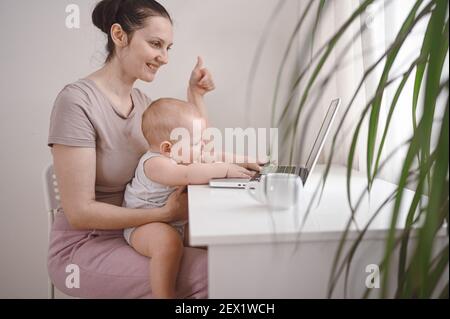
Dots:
{"x": 302, "y": 171}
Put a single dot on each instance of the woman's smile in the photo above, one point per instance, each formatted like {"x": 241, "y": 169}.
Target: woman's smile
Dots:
{"x": 153, "y": 68}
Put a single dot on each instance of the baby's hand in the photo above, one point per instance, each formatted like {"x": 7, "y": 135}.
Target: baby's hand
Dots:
{"x": 236, "y": 171}
{"x": 201, "y": 80}
{"x": 252, "y": 164}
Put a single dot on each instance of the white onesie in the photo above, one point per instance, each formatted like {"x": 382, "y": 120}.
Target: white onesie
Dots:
{"x": 142, "y": 192}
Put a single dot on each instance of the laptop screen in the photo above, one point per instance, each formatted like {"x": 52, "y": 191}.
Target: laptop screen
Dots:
{"x": 321, "y": 137}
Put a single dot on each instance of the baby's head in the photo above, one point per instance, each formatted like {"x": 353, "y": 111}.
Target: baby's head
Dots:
{"x": 163, "y": 116}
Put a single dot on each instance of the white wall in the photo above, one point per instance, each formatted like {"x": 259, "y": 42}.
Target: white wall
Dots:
{"x": 39, "y": 55}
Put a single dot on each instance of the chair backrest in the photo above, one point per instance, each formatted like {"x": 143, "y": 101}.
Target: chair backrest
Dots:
{"x": 52, "y": 203}
{"x": 51, "y": 191}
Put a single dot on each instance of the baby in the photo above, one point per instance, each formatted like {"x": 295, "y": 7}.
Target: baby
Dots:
{"x": 161, "y": 171}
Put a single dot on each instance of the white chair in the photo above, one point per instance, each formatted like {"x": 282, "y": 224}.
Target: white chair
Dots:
{"x": 52, "y": 202}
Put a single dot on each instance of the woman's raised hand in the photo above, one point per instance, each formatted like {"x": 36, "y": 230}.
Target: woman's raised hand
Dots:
{"x": 201, "y": 80}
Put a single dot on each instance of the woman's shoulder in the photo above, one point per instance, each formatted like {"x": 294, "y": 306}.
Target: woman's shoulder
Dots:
{"x": 70, "y": 120}
{"x": 78, "y": 92}
{"x": 76, "y": 100}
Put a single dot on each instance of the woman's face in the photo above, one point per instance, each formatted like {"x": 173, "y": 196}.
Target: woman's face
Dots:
{"x": 148, "y": 49}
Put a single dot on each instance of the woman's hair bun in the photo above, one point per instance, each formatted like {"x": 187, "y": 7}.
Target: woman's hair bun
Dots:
{"x": 105, "y": 14}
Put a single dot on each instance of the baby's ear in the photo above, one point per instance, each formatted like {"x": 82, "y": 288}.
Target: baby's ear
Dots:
{"x": 165, "y": 147}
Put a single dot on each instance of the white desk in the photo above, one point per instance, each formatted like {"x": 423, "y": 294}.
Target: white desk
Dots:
{"x": 255, "y": 253}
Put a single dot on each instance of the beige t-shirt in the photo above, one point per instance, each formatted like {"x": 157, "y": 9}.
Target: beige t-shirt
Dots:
{"x": 83, "y": 116}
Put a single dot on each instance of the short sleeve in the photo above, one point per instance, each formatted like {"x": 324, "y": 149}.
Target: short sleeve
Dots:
{"x": 69, "y": 122}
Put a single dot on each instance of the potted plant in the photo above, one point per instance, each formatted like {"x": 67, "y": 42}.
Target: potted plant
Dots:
{"x": 425, "y": 166}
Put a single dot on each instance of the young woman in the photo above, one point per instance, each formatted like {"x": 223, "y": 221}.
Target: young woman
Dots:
{"x": 96, "y": 140}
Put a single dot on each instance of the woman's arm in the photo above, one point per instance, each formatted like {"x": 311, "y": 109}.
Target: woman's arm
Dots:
{"x": 75, "y": 169}
{"x": 197, "y": 100}
{"x": 200, "y": 83}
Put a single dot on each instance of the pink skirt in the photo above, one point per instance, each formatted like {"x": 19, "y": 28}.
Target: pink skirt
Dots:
{"x": 110, "y": 268}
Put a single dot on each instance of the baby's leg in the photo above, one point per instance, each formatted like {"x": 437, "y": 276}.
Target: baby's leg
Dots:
{"x": 164, "y": 245}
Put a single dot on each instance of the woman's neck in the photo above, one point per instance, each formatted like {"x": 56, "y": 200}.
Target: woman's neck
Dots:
{"x": 114, "y": 79}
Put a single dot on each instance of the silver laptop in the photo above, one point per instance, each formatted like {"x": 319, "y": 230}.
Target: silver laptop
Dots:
{"x": 301, "y": 171}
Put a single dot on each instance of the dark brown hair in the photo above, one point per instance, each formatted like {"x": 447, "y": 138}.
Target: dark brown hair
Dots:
{"x": 130, "y": 14}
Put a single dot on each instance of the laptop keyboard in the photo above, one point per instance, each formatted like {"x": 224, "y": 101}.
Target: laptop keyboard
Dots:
{"x": 280, "y": 169}
{"x": 276, "y": 169}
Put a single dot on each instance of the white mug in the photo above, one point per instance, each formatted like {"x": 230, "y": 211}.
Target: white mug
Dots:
{"x": 276, "y": 190}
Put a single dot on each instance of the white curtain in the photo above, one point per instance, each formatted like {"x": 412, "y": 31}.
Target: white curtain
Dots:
{"x": 355, "y": 54}
{"x": 346, "y": 67}
{"x": 387, "y": 18}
